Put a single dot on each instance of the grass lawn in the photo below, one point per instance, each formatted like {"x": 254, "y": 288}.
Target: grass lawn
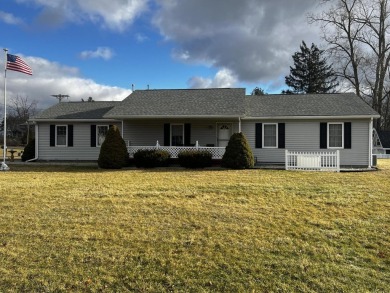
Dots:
{"x": 67, "y": 229}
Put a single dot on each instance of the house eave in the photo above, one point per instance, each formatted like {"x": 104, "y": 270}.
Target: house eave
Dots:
{"x": 311, "y": 117}
{"x": 73, "y": 120}
{"x": 177, "y": 117}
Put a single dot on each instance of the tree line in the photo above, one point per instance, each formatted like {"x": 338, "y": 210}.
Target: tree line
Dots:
{"x": 356, "y": 57}
{"x": 19, "y": 111}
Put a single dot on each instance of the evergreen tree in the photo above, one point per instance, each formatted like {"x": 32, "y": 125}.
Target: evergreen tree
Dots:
{"x": 29, "y": 151}
{"x": 311, "y": 74}
{"x": 113, "y": 152}
{"x": 238, "y": 154}
{"x": 258, "y": 91}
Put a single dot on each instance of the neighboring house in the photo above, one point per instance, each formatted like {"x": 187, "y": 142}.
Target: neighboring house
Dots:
{"x": 174, "y": 119}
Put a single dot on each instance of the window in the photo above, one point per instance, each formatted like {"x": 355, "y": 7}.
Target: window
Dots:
{"x": 101, "y": 131}
{"x": 177, "y": 135}
{"x": 270, "y": 135}
{"x": 61, "y": 135}
{"x": 335, "y": 135}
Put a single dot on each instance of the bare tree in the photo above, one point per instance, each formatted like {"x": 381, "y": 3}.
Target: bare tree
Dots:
{"x": 20, "y": 111}
{"x": 358, "y": 35}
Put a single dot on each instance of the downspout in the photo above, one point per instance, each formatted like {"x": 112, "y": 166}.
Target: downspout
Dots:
{"x": 239, "y": 124}
{"x": 122, "y": 129}
{"x": 36, "y": 144}
{"x": 370, "y": 143}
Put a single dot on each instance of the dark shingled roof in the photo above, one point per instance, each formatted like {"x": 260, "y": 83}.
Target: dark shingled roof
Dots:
{"x": 384, "y": 136}
{"x": 211, "y": 103}
{"x": 347, "y": 104}
{"x": 77, "y": 110}
{"x": 181, "y": 102}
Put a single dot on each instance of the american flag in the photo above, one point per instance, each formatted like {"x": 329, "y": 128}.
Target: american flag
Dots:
{"x": 17, "y": 64}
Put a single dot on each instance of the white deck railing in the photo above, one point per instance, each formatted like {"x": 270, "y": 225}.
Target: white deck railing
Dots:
{"x": 216, "y": 152}
{"x": 382, "y": 156}
{"x": 313, "y": 161}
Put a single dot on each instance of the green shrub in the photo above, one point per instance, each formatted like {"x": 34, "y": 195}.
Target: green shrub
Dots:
{"x": 195, "y": 159}
{"x": 151, "y": 158}
{"x": 29, "y": 151}
{"x": 113, "y": 152}
{"x": 238, "y": 154}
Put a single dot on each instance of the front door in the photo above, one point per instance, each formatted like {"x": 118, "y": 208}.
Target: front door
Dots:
{"x": 177, "y": 132}
{"x": 224, "y": 133}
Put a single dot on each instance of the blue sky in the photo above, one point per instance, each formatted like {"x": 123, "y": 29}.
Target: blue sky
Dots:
{"x": 100, "y": 48}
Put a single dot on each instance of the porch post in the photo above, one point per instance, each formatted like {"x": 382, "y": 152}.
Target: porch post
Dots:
{"x": 338, "y": 160}
{"x": 239, "y": 124}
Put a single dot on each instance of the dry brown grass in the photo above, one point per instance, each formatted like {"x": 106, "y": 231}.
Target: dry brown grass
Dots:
{"x": 81, "y": 229}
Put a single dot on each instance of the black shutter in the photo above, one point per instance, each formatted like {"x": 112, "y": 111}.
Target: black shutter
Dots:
{"x": 281, "y": 135}
{"x": 323, "y": 135}
{"x": 93, "y": 136}
{"x": 70, "y": 135}
{"x": 347, "y": 135}
{"x": 259, "y": 135}
{"x": 167, "y": 134}
{"x": 187, "y": 134}
{"x": 52, "y": 135}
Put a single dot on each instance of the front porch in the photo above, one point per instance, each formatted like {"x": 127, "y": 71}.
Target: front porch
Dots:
{"x": 216, "y": 152}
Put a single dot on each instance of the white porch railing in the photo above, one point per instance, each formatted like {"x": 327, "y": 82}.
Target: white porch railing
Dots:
{"x": 216, "y": 152}
{"x": 382, "y": 156}
{"x": 313, "y": 161}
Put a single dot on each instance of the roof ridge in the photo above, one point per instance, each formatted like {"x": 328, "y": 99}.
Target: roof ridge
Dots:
{"x": 197, "y": 89}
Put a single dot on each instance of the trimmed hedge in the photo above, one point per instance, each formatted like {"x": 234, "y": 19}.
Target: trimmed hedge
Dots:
{"x": 195, "y": 159}
{"x": 238, "y": 154}
{"x": 113, "y": 152}
{"x": 29, "y": 151}
{"x": 151, "y": 158}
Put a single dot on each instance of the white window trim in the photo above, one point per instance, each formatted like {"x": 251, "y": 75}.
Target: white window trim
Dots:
{"x": 97, "y": 133}
{"x": 66, "y": 136}
{"x": 175, "y": 124}
{"x": 342, "y": 135}
{"x": 277, "y": 136}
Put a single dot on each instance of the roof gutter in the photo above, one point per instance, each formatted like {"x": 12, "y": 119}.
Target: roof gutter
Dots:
{"x": 73, "y": 120}
{"x": 312, "y": 117}
{"x": 174, "y": 117}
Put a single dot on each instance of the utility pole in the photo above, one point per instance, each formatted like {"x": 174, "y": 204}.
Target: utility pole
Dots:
{"x": 59, "y": 97}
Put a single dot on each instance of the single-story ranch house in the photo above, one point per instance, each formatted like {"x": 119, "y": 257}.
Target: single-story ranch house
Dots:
{"x": 296, "y": 130}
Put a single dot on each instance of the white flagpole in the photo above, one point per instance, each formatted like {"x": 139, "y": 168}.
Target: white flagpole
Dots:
{"x": 4, "y": 166}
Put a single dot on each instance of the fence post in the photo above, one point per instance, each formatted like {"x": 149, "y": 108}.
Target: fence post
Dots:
{"x": 157, "y": 145}
{"x": 286, "y": 160}
{"x": 197, "y": 145}
{"x": 338, "y": 160}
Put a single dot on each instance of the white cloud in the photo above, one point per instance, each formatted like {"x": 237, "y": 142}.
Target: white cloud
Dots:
{"x": 117, "y": 14}
{"x": 224, "y": 78}
{"x": 101, "y": 52}
{"x": 51, "y": 78}
{"x": 114, "y": 14}
{"x": 253, "y": 38}
{"x": 9, "y": 18}
{"x": 140, "y": 38}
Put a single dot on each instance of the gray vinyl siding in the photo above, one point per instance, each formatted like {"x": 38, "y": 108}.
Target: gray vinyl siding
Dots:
{"x": 147, "y": 132}
{"x": 305, "y": 136}
{"x": 81, "y": 150}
